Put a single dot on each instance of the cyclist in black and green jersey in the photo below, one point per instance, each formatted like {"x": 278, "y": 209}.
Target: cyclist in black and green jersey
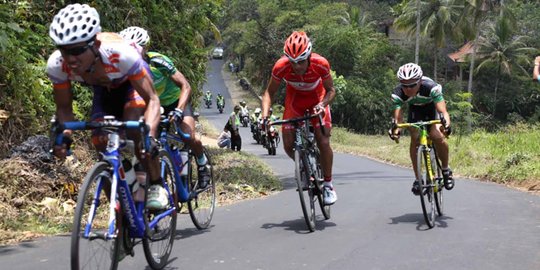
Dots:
{"x": 426, "y": 101}
{"x": 174, "y": 92}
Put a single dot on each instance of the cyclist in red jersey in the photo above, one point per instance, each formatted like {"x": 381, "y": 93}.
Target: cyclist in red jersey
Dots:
{"x": 121, "y": 82}
{"x": 309, "y": 86}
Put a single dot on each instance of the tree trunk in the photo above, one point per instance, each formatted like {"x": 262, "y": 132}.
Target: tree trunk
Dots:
{"x": 469, "y": 85}
{"x": 417, "y": 46}
{"x": 495, "y": 91}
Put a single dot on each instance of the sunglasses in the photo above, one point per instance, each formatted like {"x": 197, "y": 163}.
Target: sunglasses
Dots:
{"x": 75, "y": 51}
{"x": 297, "y": 62}
{"x": 410, "y": 85}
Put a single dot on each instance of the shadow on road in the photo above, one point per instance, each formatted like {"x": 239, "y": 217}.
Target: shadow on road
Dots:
{"x": 186, "y": 233}
{"x": 418, "y": 218}
{"x": 299, "y": 225}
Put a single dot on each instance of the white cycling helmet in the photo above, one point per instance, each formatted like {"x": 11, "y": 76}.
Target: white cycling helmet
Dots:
{"x": 409, "y": 71}
{"x": 136, "y": 34}
{"x": 73, "y": 24}
{"x": 257, "y": 111}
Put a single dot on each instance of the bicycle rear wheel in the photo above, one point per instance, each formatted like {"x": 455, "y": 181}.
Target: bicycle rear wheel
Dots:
{"x": 304, "y": 191}
{"x": 158, "y": 241}
{"x": 325, "y": 209}
{"x": 426, "y": 186}
{"x": 95, "y": 251}
{"x": 202, "y": 201}
{"x": 438, "y": 182}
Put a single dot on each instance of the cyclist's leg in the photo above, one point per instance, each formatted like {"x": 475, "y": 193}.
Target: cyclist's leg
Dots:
{"x": 327, "y": 154}
{"x": 288, "y": 140}
{"x": 440, "y": 143}
{"x": 415, "y": 114}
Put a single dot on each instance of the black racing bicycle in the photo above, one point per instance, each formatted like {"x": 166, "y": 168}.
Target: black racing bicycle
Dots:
{"x": 308, "y": 171}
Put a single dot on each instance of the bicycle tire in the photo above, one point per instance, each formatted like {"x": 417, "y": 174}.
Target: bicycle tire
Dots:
{"x": 426, "y": 189}
{"x": 325, "y": 209}
{"x": 95, "y": 252}
{"x": 439, "y": 202}
{"x": 202, "y": 203}
{"x": 158, "y": 243}
{"x": 302, "y": 182}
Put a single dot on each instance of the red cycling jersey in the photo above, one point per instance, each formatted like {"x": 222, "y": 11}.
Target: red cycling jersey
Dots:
{"x": 305, "y": 91}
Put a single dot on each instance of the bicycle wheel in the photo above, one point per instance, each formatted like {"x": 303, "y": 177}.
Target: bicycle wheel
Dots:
{"x": 302, "y": 181}
{"x": 202, "y": 201}
{"x": 426, "y": 186}
{"x": 325, "y": 209}
{"x": 95, "y": 251}
{"x": 439, "y": 182}
{"x": 158, "y": 241}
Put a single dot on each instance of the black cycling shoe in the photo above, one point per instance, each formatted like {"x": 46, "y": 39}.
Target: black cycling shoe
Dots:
{"x": 448, "y": 179}
{"x": 204, "y": 175}
{"x": 416, "y": 188}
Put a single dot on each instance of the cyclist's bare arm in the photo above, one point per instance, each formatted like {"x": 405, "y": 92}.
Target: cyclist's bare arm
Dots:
{"x": 145, "y": 88}
{"x": 64, "y": 113}
{"x": 441, "y": 107}
{"x": 330, "y": 92}
{"x": 180, "y": 80}
{"x": 64, "y": 100}
{"x": 268, "y": 96}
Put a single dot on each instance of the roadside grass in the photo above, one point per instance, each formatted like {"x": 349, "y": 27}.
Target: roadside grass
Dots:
{"x": 510, "y": 156}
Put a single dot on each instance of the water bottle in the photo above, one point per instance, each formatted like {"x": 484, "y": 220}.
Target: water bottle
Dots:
{"x": 184, "y": 158}
{"x": 138, "y": 188}
{"x": 129, "y": 172}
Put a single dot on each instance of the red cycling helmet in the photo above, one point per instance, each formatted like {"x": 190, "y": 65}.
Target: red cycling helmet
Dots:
{"x": 297, "y": 47}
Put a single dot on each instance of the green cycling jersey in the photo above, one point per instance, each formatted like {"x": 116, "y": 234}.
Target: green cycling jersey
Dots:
{"x": 162, "y": 69}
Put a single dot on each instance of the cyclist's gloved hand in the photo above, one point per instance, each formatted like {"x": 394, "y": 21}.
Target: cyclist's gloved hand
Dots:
{"x": 448, "y": 130}
{"x": 319, "y": 109}
{"x": 177, "y": 115}
{"x": 63, "y": 149}
{"x": 394, "y": 134}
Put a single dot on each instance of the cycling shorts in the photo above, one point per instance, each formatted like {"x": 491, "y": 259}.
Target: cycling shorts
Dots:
{"x": 422, "y": 113}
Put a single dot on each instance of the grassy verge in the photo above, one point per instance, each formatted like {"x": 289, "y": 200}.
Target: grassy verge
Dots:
{"x": 511, "y": 156}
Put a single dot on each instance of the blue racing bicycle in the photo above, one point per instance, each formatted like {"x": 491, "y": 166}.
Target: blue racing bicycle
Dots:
{"x": 108, "y": 223}
{"x": 199, "y": 197}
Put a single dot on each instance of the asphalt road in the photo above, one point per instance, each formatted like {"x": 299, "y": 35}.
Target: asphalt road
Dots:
{"x": 376, "y": 224}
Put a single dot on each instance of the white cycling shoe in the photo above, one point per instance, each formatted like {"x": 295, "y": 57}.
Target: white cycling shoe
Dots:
{"x": 329, "y": 195}
{"x": 157, "y": 198}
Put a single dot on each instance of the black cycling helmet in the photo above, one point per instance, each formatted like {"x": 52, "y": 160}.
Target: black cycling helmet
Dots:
{"x": 236, "y": 108}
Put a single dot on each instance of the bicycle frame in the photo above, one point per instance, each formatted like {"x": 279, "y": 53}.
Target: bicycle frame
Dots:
{"x": 425, "y": 140}
{"x": 132, "y": 210}
{"x": 182, "y": 187}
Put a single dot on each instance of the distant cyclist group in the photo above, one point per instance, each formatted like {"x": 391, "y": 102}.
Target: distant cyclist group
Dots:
{"x": 129, "y": 82}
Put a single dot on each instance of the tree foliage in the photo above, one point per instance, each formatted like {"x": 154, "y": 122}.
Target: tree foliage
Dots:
{"x": 176, "y": 28}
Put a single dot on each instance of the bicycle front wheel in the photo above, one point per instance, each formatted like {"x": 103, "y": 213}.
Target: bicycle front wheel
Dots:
{"x": 426, "y": 185}
{"x": 325, "y": 209}
{"x": 202, "y": 200}
{"x": 304, "y": 191}
{"x": 439, "y": 182}
{"x": 91, "y": 245}
{"x": 158, "y": 242}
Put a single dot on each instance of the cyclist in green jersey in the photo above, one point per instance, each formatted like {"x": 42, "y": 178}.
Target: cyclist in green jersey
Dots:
{"x": 174, "y": 92}
{"x": 425, "y": 99}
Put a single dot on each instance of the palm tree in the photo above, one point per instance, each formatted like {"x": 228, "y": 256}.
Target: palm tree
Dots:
{"x": 475, "y": 15}
{"x": 500, "y": 48}
{"x": 438, "y": 20}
